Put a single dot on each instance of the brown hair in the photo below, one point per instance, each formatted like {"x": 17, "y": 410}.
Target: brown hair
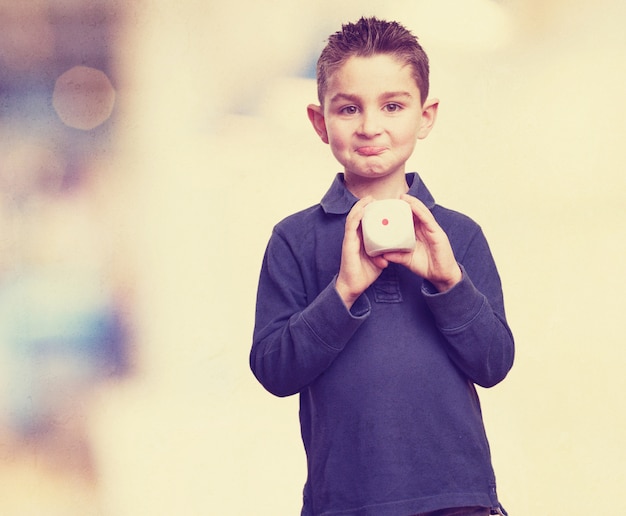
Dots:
{"x": 365, "y": 38}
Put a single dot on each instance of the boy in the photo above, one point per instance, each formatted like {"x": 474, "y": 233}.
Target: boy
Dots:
{"x": 383, "y": 351}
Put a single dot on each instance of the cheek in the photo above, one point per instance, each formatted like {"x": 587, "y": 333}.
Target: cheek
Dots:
{"x": 407, "y": 135}
{"x": 404, "y": 143}
{"x": 338, "y": 137}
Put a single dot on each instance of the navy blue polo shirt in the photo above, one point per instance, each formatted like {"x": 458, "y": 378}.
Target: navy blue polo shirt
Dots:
{"x": 390, "y": 417}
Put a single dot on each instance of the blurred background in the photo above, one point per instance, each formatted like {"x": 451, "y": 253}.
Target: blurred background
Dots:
{"x": 146, "y": 151}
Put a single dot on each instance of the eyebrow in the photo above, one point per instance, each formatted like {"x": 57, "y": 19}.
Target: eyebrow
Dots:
{"x": 344, "y": 96}
{"x": 385, "y": 96}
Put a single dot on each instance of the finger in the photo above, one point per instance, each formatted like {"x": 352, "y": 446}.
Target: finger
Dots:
{"x": 353, "y": 220}
{"x": 401, "y": 257}
{"x": 352, "y": 240}
{"x": 422, "y": 214}
{"x": 380, "y": 261}
{"x": 418, "y": 207}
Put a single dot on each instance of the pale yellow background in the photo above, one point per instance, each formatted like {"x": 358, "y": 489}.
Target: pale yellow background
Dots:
{"x": 217, "y": 149}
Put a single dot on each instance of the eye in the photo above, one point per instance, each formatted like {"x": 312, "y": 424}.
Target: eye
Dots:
{"x": 392, "y": 107}
{"x": 349, "y": 110}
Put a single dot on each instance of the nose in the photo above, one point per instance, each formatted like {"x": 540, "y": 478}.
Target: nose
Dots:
{"x": 370, "y": 125}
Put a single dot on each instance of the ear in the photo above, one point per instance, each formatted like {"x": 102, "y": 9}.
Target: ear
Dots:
{"x": 316, "y": 116}
{"x": 429, "y": 115}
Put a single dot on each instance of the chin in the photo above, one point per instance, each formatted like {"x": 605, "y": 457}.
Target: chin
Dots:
{"x": 376, "y": 173}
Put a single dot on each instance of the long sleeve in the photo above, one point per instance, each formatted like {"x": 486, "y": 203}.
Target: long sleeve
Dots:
{"x": 295, "y": 338}
{"x": 471, "y": 317}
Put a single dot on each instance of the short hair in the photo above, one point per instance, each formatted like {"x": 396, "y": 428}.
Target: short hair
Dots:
{"x": 368, "y": 37}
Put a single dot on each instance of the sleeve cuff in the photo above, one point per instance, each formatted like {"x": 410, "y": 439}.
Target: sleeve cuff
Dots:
{"x": 331, "y": 321}
{"x": 456, "y": 308}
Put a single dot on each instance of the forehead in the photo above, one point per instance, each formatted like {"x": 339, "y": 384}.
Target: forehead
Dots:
{"x": 372, "y": 76}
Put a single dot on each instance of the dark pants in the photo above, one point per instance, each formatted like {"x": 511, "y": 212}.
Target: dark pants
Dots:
{"x": 458, "y": 511}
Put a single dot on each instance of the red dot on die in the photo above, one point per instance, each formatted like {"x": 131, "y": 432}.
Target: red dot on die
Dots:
{"x": 385, "y": 222}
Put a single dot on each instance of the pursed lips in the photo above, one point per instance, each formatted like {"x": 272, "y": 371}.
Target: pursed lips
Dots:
{"x": 370, "y": 150}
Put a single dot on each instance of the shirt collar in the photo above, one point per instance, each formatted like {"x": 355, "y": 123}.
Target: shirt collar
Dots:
{"x": 339, "y": 200}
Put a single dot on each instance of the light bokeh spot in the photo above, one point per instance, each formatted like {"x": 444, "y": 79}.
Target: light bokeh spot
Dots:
{"x": 83, "y": 97}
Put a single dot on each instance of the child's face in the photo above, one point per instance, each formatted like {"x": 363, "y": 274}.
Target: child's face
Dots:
{"x": 373, "y": 116}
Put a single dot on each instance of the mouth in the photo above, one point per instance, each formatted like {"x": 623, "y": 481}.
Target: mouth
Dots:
{"x": 370, "y": 150}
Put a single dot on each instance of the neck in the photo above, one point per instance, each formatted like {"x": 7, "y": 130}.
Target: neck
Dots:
{"x": 391, "y": 187}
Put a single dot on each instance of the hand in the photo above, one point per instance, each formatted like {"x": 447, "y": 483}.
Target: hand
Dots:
{"x": 358, "y": 270}
{"x": 432, "y": 258}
